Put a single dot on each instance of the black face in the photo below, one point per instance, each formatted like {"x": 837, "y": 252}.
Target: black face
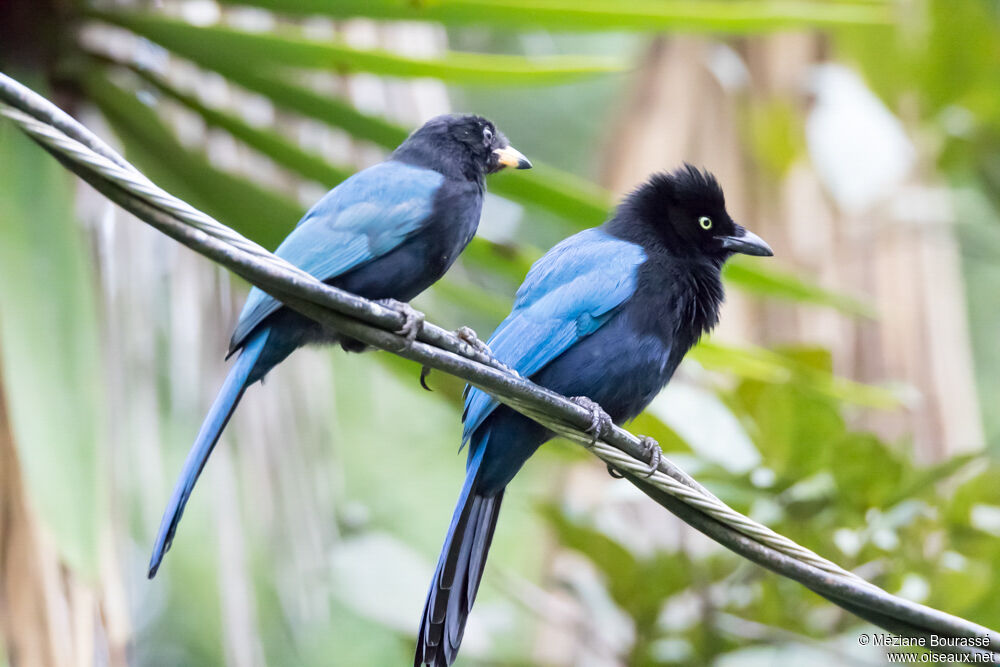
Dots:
{"x": 467, "y": 143}
{"x": 688, "y": 210}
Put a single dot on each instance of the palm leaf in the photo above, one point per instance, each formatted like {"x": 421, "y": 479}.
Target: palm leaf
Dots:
{"x": 245, "y": 206}
{"x": 751, "y": 277}
{"x": 289, "y": 49}
{"x": 50, "y": 351}
{"x": 757, "y": 363}
{"x": 738, "y": 17}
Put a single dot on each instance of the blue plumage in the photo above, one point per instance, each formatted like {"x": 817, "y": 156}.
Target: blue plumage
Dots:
{"x": 608, "y": 314}
{"x": 361, "y": 219}
{"x": 216, "y": 419}
{"x": 566, "y": 296}
{"x": 387, "y": 232}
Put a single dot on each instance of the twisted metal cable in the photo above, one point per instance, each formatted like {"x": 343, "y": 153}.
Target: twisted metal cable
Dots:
{"x": 468, "y": 358}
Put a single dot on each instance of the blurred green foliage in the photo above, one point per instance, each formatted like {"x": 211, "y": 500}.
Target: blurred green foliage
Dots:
{"x": 49, "y": 348}
{"x": 845, "y": 494}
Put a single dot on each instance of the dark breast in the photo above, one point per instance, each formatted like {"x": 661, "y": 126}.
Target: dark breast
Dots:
{"x": 623, "y": 365}
{"x": 619, "y": 366}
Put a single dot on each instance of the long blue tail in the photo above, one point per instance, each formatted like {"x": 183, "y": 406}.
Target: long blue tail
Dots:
{"x": 459, "y": 571}
{"x": 237, "y": 381}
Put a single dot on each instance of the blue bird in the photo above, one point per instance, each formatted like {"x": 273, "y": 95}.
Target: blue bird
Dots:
{"x": 605, "y": 316}
{"x": 386, "y": 233}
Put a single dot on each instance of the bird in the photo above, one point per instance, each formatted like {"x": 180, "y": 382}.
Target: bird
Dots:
{"x": 386, "y": 233}
{"x": 605, "y": 316}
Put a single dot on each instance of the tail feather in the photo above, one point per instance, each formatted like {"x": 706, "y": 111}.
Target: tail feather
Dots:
{"x": 225, "y": 403}
{"x": 459, "y": 571}
{"x": 484, "y": 537}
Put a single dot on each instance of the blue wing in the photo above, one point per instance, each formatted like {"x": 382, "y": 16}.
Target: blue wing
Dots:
{"x": 567, "y": 295}
{"x": 361, "y": 219}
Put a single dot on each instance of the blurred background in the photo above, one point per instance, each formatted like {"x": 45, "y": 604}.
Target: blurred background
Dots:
{"x": 848, "y": 400}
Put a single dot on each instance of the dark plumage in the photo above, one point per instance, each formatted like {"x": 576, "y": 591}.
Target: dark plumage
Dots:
{"x": 387, "y": 232}
{"x": 608, "y": 314}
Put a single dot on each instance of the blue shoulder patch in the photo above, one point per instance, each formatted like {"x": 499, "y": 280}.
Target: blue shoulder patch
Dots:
{"x": 361, "y": 219}
{"x": 567, "y": 295}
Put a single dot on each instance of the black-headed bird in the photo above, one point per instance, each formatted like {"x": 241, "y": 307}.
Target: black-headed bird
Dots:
{"x": 605, "y": 317}
{"x": 386, "y": 233}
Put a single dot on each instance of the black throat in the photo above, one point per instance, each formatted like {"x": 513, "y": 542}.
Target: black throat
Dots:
{"x": 679, "y": 296}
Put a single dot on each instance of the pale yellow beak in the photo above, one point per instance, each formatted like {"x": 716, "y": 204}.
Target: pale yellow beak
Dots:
{"x": 511, "y": 157}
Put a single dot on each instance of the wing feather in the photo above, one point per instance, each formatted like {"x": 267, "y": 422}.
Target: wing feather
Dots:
{"x": 361, "y": 219}
{"x": 567, "y": 295}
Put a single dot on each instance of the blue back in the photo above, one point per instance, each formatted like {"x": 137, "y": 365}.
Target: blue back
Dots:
{"x": 363, "y": 218}
{"x": 567, "y": 295}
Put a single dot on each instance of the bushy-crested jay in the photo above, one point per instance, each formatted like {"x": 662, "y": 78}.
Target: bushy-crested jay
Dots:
{"x": 386, "y": 233}
{"x": 605, "y": 316}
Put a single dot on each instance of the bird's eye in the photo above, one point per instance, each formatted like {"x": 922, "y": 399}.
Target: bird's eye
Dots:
{"x": 705, "y": 222}
{"x": 487, "y": 134}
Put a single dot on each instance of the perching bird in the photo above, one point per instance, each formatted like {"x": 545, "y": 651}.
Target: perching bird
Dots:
{"x": 605, "y": 316}
{"x": 386, "y": 233}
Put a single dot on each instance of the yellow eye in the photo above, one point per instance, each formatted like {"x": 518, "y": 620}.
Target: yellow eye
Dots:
{"x": 705, "y": 222}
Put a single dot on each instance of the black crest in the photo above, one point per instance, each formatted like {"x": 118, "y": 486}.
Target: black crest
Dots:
{"x": 686, "y": 209}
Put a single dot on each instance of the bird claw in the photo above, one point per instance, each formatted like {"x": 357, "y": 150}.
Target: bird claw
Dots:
{"x": 413, "y": 319}
{"x": 651, "y": 448}
{"x": 600, "y": 421}
{"x": 468, "y": 336}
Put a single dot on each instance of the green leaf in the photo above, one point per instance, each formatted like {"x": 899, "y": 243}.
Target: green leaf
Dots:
{"x": 751, "y": 276}
{"x": 507, "y": 261}
{"x": 281, "y": 150}
{"x": 638, "y": 585}
{"x": 611, "y": 558}
{"x": 668, "y": 439}
{"x": 558, "y": 191}
{"x": 288, "y": 48}
{"x": 756, "y": 363}
{"x": 774, "y": 132}
{"x": 602, "y": 15}
{"x": 248, "y": 208}
{"x": 50, "y": 349}
{"x": 794, "y": 429}
{"x": 547, "y": 188}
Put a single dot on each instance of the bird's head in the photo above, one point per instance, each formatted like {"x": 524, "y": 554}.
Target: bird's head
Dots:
{"x": 470, "y": 144}
{"x": 687, "y": 212}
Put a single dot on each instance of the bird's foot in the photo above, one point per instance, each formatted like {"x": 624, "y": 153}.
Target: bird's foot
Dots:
{"x": 600, "y": 421}
{"x": 651, "y": 449}
{"x": 468, "y": 336}
{"x": 413, "y": 319}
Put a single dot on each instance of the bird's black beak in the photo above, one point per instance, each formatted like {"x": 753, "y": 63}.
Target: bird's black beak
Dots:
{"x": 746, "y": 242}
{"x": 509, "y": 156}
